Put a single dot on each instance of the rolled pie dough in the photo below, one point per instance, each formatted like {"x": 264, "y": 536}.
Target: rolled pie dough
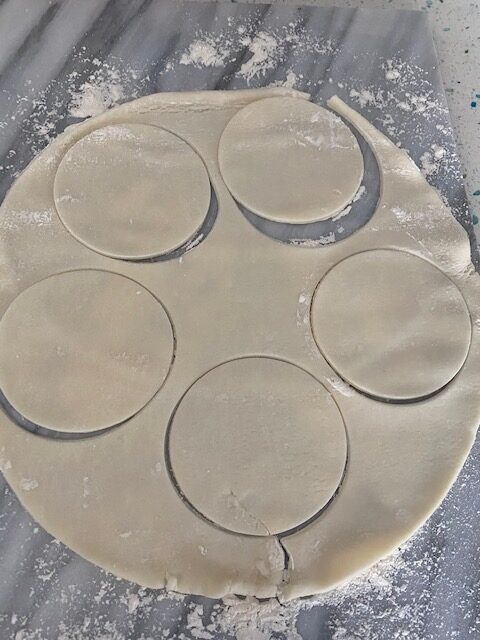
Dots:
{"x": 280, "y": 417}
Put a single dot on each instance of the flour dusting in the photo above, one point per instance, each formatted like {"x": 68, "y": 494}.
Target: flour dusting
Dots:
{"x": 432, "y": 160}
{"x": 263, "y": 48}
{"x": 92, "y": 99}
{"x": 28, "y": 484}
{"x": 102, "y": 89}
{"x": 205, "y": 53}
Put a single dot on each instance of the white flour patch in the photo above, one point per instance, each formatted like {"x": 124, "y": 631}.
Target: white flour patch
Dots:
{"x": 17, "y": 219}
{"x": 260, "y": 52}
{"x": 342, "y": 213}
{"x": 125, "y": 534}
{"x": 93, "y": 98}
{"x": 360, "y": 193}
{"x": 393, "y": 70}
{"x": 413, "y": 218}
{"x": 318, "y": 242}
{"x": 432, "y": 160}
{"x": 205, "y": 53}
{"x": 263, "y": 47}
{"x": 133, "y": 602}
{"x": 193, "y": 243}
{"x": 5, "y": 463}
{"x": 104, "y": 88}
{"x": 339, "y": 385}
{"x": 366, "y": 97}
{"x": 291, "y": 81}
{"x": 28, "y": 484}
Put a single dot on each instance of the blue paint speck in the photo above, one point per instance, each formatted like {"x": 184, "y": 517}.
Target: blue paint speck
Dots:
{"x": 473, "y": 104}
{"x": 477, "y": 192}
{"x": 446, "y": 28}
{"x": 475, "y": 219}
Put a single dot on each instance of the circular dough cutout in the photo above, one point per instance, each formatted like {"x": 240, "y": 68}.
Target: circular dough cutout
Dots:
{"x": 132, "y": 191}
{"x": 257, "y": 446}
{"x": 83, "y": 350}
{"x": 391, "y": 324}
{"x": 289, "y": 160}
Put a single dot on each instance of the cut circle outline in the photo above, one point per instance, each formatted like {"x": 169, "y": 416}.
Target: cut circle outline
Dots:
{"x": 369, "y": 394}
{"x": 290, "y": 530}
{"x": 313, "y": 212}
{"x": 36, "y": 428}
{"x": 178, "y": 248}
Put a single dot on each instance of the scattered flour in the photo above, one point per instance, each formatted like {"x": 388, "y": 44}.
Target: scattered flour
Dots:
{"x": 102, "y": 89}
{"x": 264, "y": 50}
{"x": 291, "y": 80}
{"x": 205, "y": 53}
{"x": 431, "y": 160}
{"x": 18, "y": 219}
{"x": 319, "y": 242}
{"x": 133, "y": 602}
{"x": 5, "y": 463}
{"x": 413, "y": 218}
{"x": 92, "y": 99}
{"x": 28, "y": 484}
{"x": 263, "y": 47}
{"x": 393, "y": 70}
{"x": 193, "y": 243}
{"x": 339, "y": 385}
{"x": 366, "y": 97}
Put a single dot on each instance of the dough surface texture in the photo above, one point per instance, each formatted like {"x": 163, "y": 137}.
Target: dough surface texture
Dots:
{"x": 83, "y": 350}
{"x": 403, "y": 339}
{"x": 132, "y": 191}
{"x": 268, "y": 441}
{"x": 290, "y": 163}
{"x": 191, "y": 403}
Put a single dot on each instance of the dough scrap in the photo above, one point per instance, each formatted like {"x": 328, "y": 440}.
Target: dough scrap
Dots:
{"x": 290, "y": 162}
{"x": 258, "y": 446}
{"x": 132, "y": 191}
{"x": 83, "y": 350}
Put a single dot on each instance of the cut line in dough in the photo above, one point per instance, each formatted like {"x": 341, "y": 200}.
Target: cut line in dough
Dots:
{"x": 132, "y": 191}
{"x": 257, "y": 446}
{"x": 290, "y": 161}
{"x": 391, "y": 324}
{"x": 84, "y": 350}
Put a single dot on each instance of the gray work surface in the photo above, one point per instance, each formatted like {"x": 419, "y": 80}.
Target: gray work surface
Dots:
{"x": 129, "y": 49}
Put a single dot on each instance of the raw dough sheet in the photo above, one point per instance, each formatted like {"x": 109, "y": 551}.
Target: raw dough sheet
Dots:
{"x": 195, "y": 77}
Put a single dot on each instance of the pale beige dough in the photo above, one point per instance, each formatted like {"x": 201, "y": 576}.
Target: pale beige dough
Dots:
{"x": 238, "y": 293}
{"x": 267, "y": 441}
{"x": 132, "y": 191}
{"x": 83, "y": 350}
{"x": 290, "y": 162}
{"x": 391, "y": 324}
